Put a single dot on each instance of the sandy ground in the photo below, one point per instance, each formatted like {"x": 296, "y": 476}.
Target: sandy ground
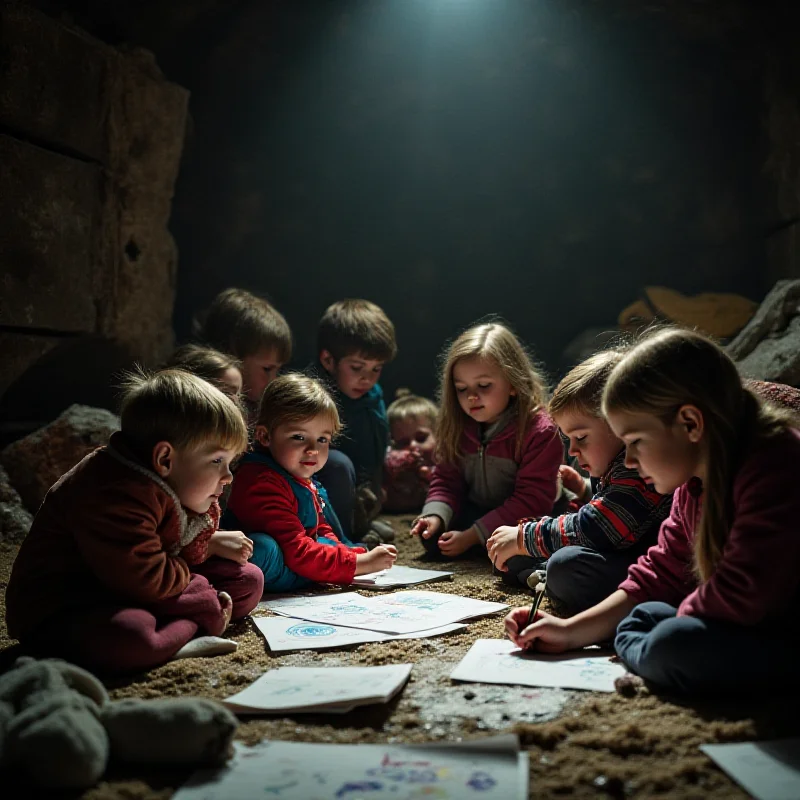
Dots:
{"x": 581, "y": 744}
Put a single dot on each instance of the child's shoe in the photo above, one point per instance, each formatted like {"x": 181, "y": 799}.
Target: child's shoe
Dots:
{"x": 383, "y": 529}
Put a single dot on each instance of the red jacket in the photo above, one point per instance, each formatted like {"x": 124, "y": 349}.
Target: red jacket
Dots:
{"x": 263, "y": 502}
{"x": 109, "y": 532}
{"x": 758, "y": 576}
{"x": 489, "y": 475}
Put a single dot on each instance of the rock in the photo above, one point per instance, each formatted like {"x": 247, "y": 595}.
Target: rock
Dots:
{"x": 15, "y": 519}
{"x": 768, "y": 348}
{"x": 36, "y": 462}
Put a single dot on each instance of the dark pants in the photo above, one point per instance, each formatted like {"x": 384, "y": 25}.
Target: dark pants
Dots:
{"x": 338, "y": 476}
{"x": 118, "y": 639}
{"x": 579, "y": 577}
{"x": 690, "y": 654}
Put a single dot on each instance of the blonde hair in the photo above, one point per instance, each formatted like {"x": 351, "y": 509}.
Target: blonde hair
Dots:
{"x": 670, "y": 368}
{"x": 496, "y": 343}
{"x": 243, "y": 324}
{"x": 295, "y": 398}
{"x": 580, "y": 391}
{"x": 180, "y": 408}
{"x": 411, "y": 406}
{"x": 205, "y": 362}
{"x": 356, "y": 327}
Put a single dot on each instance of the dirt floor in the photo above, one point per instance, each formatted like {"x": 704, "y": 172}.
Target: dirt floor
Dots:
{"x": 581, "y": 744}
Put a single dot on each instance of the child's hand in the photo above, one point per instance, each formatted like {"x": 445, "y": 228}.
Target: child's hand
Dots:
{"x": 503, "y": 544}
{"x": 547, "y": 634}
{"x": 454, "y": 543}
{"x": 380, "y": 557}
{"x": 427, "y": 526}
{"x": 233, "y": 545}
{"x": 573, "y": 481}
{"x": 425, "y": 472}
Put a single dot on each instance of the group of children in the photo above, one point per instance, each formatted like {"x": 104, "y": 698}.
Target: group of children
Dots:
{"x": 679, "y": 545}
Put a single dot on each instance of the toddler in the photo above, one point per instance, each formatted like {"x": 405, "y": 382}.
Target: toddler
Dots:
{"x": 297, "y": 539}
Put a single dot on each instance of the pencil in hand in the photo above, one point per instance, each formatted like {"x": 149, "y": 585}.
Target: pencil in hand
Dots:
{"x": 535, "y": 605}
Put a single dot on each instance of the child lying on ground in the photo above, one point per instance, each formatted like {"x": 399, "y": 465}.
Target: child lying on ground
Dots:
{"x": 297, "y": 539}
{"x": 124, "y": 565}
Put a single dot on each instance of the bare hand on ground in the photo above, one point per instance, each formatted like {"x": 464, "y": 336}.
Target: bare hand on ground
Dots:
{"x": 427, "y": 526}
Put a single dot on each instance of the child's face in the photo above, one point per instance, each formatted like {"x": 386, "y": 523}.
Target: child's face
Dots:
{"x": 197, "y": 474}
{"x": 414, "y": 434}
{"x": 355, "y": 375}
{"x": 482, "y": 389}
{"x": 665, "y": 455}
{"x": 301, "y": 448}
{"x": 258, "y": 371}
{"x": 231, "y": 381}
{"x": 591, "y": 441}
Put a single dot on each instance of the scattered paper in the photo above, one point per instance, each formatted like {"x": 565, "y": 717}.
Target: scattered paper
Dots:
{"x": 767, "y": 770}
{"x": 320, "y": 689}
{"x": 492, "y": 769}
{"x": 399, "y": 612}
{"x": 399, "y": 576}
{"x": 500, "y": 661}
{"x": 286, "y": 633}
{"x": 278, "y": 601}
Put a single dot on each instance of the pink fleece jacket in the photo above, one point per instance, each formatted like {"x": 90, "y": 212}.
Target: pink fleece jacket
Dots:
{"x": 489, "y": 474}
{"x": 758, "y": 576}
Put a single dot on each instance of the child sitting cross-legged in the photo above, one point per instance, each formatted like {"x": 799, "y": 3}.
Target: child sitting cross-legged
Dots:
{"x": 297, "y": 538}
{"x": 123, "y": 566}
{"x": 588, "y": 551}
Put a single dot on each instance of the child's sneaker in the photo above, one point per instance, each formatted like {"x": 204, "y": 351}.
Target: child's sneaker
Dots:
{"x": 383, "y": 529}
{"x": 370, "y": 540}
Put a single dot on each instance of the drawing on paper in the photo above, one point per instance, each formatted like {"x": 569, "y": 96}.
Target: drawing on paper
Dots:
{"x": 348, "y": 608}
{"x": 308, "y": 630}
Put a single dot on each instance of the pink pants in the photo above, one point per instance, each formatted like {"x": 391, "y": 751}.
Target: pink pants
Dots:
{"x": 116, "y": 639}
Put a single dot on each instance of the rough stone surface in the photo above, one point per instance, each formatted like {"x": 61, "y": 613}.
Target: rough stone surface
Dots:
{"x": 768, "y": 348}
{"x": 15, "y": 519}
{"x": 36, "y": 462}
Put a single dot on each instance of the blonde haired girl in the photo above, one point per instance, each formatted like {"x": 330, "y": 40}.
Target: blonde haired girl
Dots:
{"x": 498, "y": 452}
{"x": 721, "y": 585}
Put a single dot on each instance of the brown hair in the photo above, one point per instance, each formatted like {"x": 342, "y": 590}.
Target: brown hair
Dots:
{"x": 243, "y": 324}
{"x": 356, "y": 327}
{"x": 670, "y": 368}
{"x": 180, "y": 408}
{"x": 295, "y": 398}
{"x": 493, "y": 342}
{"x": 581, "y": 389}
{"x": 408, "y": 406}
{"x": 205, "y": 362}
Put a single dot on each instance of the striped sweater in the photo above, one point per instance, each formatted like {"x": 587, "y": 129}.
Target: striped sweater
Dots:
{"x": 621, "y": 513}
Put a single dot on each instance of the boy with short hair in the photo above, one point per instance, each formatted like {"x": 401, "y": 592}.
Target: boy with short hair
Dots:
{"x": 588, "y": 551}
{"x": 355, "y": 339}
{"x": 124, "y": 566}
{"x": 252, "y": 329}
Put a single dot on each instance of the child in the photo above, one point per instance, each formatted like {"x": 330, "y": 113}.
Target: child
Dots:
{"x": 124, "y": 565}
{"x": 589, "y": 551}
{"x": 250, "y": 328}
{"x": 498, "y": 452}
{"x": 284, "y": 510}
{"x": 714, "y": 605}
{"x": 355, "y": 339}
{"x": 409, "y": 460}
{"x": 218, "y": 368}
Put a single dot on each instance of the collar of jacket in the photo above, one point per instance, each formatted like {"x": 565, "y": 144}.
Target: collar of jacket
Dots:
{"x": 192, "y": 524}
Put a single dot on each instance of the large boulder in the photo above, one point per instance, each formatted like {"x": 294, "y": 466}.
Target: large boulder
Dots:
{"x": 768, "y": 348}
{"x": 15, "y": 519}
{"x": 36, "y": 462}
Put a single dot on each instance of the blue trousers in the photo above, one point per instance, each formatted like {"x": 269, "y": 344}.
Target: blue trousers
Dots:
{"x": 268, "y": 557}
{"x": 579, "y": 577}
{"x": 338, "y": 476}
{"x": 690, "y": 654}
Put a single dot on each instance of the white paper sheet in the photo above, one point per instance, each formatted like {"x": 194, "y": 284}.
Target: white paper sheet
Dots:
{"x": 277, "y": 602}
{"x": 286, "y": 633}
{"x": 491, "y": 769}
{"x": 314, "y": 689}
{"x": 398, "y": 612}
{"x": 500, "y": 661}
{"x": 768, "y": 770}
{"x": 399, "y": 576}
